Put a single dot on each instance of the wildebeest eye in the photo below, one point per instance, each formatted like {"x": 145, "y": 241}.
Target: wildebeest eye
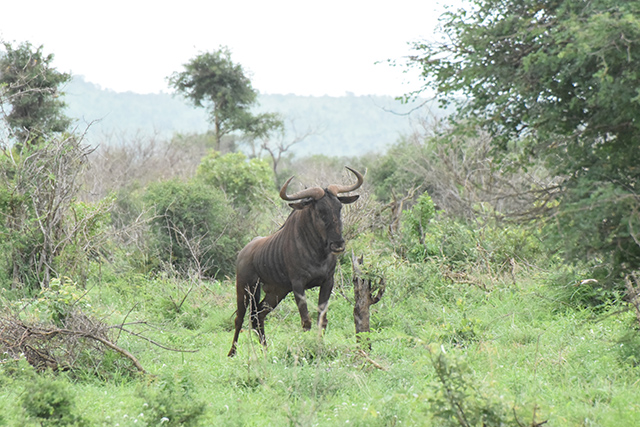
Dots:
{"x": 324, "y": 213}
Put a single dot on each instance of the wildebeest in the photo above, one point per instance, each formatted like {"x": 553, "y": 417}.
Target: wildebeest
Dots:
{"x": 301, "y": 255}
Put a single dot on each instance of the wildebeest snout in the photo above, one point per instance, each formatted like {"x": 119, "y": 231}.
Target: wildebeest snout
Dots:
{"x": 337, "y": 247}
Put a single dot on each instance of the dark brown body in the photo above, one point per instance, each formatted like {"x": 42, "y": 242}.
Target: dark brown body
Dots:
{"x": 300, "y": 256}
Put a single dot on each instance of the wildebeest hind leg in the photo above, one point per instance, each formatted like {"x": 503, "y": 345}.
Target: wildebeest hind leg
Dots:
{"x": 242, "y": 308}
{"x": 243, "y": 296}
{"x": 270, "y": 301}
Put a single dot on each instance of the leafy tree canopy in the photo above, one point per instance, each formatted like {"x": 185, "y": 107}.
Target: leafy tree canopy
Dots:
{"x": 561, "y": 77}
{"x": 213, "y": 81}
{"x": 30, "y": 85}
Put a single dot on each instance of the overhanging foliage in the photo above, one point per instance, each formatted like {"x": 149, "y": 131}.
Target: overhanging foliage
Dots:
{"x": 557, "y": 77}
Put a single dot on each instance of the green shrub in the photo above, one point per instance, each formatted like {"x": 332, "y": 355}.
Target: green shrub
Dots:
{"x": 577, "y": 287}
{"x": 44, "y": 230}
{"x": 50, "y": 402}
{"x": 417, "y": 218}
{"x": 463, "y": 331}
{"x": 492, "y": 245}
{"x": 87, "y": 226}
{"x": 629, "y": 347}
{"x": 195, "y": 227}
{"x": 459, "y": 399}
{"x": 174, "y": 299}
{"x": 245, "y": 182}
{"x": 442, "y": 238}
{"x": 389, "y": 171}
{"x": 57, "y": 302}
{"x": 171, "y": 402}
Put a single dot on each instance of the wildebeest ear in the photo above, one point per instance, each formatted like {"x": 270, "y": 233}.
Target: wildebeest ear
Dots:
{"x": 301, "y": 204}
{"x": 348, "y": 199}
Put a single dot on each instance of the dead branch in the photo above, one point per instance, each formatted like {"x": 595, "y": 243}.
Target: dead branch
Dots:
{"x": 370, "y": 360}
{"x": 47, "y": 346}
{"x": 58, "y": 348}
{"x": 364, "y": 298}
{"x": 135, "y": 334}
{"x": 107, "y": 343}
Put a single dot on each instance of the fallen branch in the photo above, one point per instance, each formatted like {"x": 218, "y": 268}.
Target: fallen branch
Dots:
{"x": 370, "y": 360}
{"x": 135, "y": 334}
{"x": 107, "y": 343}
{"x": 59, "y": 348}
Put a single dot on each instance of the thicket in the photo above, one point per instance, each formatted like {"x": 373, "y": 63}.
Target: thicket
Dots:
{"x": 158, "y": 271}
{"x": 129, "y": 249}
{"x": 551, "y": 79}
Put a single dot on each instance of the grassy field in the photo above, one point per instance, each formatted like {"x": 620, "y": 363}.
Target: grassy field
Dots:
{"x": 499, "y": 350}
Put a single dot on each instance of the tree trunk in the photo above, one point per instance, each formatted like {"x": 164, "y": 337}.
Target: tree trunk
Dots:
{"x": 364, "y": 299}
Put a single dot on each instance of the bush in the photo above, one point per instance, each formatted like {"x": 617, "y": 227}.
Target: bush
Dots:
{"x": 244, "y": 182}
{"x": 417, "y": 219}
{"x": 50, "y": 402}
{"x": 458, "y": 400}
{"x": 449, "y": 240}
{"x": 60, "y": 299}
{"x": 491, "y": 245}
{"x": 171, "y": 402}
{"x": 45, "y": 231}
{"x": 173, "y": 298}
{"x": 577, "y": 287}
{"x": 389, "y": 172}
{"x": 195, "y": 227}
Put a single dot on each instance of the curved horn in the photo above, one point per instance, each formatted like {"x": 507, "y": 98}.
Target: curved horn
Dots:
{"x": 337, "y": 189}
{"x": 315, "y": 193}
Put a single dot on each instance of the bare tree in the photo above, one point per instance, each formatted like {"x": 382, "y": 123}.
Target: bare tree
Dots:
{"x": 396, "y": 206}
{"x": 42, "y": 219}
{"x": 462, "y": 174}
{"x": 123, "y": 161}
{"x": 277, "y": 142}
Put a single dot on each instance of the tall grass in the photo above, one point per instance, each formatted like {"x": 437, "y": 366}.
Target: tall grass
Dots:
{"x": 445, "y": 351}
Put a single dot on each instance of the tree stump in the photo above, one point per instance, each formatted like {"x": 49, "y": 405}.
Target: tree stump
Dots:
{"x": 364, "y": 299}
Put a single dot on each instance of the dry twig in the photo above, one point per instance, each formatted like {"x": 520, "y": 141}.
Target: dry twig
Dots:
{"x": 370, "y": 360}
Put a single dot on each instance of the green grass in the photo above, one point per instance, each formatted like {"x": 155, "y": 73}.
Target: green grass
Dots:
{"x": 508, "y": 350}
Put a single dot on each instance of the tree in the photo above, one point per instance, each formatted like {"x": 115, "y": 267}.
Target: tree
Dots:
{"x": 44, "y": 230}
{"x": 30, "y": 85}
{"x": 213, "y": 81}
{"x": 276, "y": 143}
{"x": 559, "y": 78}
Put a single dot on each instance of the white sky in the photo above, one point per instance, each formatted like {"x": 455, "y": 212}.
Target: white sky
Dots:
{"x": 288, "y": 46}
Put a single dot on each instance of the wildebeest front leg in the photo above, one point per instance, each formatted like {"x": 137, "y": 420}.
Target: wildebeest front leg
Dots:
{"x": 301, "y": 301}
{"x": 323, "y": 303}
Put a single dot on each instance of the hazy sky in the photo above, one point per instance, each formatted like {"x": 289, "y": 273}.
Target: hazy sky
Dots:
{"x": 288, "y": 46}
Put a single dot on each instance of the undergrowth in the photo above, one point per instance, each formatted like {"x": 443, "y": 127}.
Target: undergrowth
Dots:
{"x": 480, "y": 345}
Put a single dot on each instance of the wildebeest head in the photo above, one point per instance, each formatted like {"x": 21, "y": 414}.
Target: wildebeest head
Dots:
{"x": 324, "y": 207}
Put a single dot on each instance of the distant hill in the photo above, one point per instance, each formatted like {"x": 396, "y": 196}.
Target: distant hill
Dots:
{"x": 345, "y": 126}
